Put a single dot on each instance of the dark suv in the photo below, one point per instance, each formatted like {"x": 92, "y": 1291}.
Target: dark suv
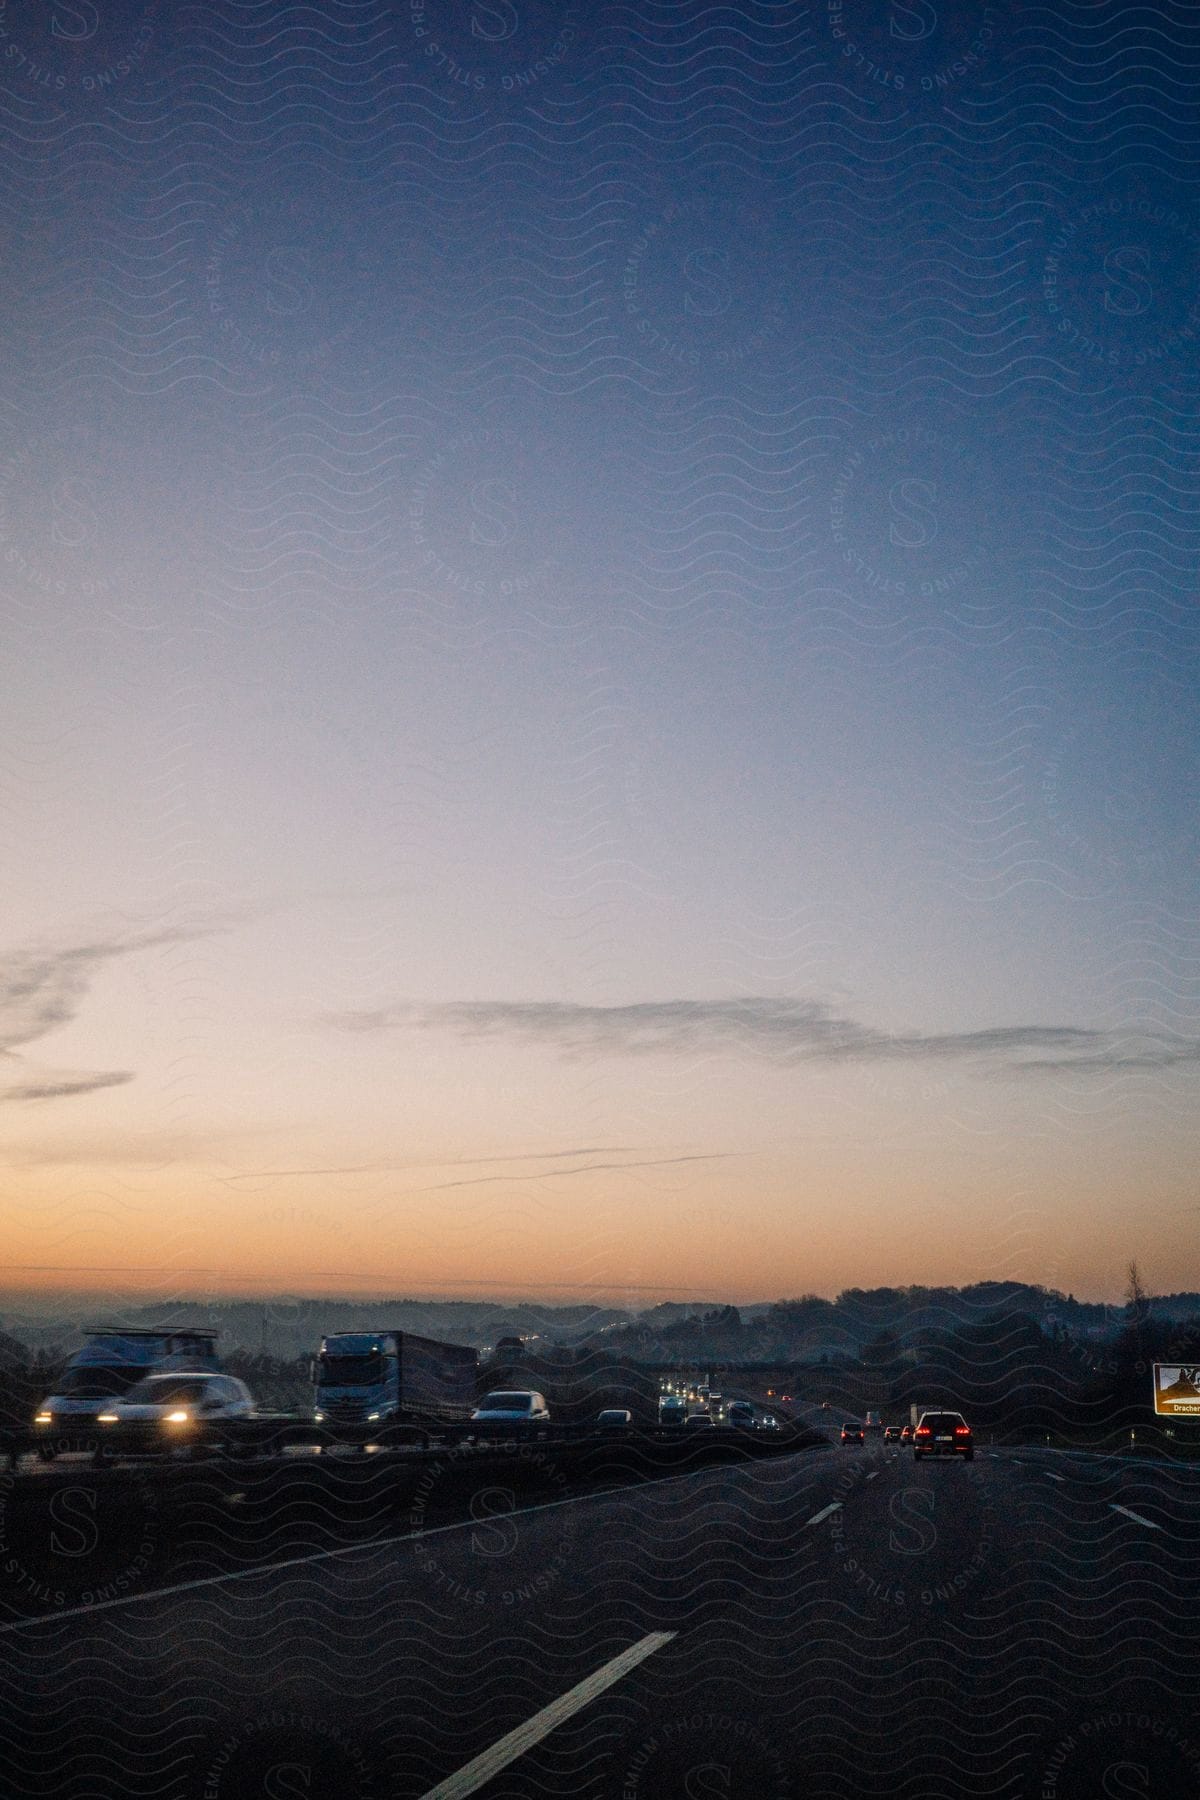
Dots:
{"x": 943, "y": 1434}
{"x": 852, "y": 1434}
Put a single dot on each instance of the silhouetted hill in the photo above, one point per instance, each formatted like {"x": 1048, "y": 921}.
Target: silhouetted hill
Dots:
{"x": 878, "y": 1324}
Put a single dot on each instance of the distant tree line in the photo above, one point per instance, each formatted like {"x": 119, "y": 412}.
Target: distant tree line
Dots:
{"x": 1017, "y": 1358}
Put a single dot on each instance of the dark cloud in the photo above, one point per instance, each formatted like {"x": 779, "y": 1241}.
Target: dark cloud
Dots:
{"x": 790, "y": 1031}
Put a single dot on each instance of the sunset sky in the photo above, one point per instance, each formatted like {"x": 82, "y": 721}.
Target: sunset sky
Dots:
{"x": 601, "y": 650}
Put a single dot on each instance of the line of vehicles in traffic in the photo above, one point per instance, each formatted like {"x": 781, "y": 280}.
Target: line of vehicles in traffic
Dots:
{"x": 936, "y": 1433}
{"x": 147, "y": 1388}
{"x": 144, "y": 1385}
{"x": 700, "y": 1408}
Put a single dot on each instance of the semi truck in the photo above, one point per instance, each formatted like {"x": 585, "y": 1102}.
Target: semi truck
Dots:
{"x": 393, "y": 1377}
{"x": 111, "y": 1359}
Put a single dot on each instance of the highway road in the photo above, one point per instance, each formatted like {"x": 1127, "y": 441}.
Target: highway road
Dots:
{"x": 824, "y": 1625}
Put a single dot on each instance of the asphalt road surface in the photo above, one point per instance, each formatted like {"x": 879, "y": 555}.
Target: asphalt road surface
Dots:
{"x": 831, "y": 1624}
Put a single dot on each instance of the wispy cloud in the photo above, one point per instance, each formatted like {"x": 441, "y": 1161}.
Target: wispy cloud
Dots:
{"x": 1149, "y": 1050}
{"x": 96, "y": 1145}
{"x": 61, "y": 1087}
{"x": 657, "y": 1162}
{"x": 43, "y": 987}
{"x": 789, "y": 1031}
{"x": 390, "y": 1165}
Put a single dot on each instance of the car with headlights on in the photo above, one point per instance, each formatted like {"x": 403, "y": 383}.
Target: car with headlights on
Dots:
{"x": 113, "y": 1359}
{"x": 174, "y": 1411}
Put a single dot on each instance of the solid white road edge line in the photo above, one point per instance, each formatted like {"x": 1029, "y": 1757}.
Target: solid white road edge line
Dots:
{"x": 480, "y": 1770}
{"x": 299, "y": 1562}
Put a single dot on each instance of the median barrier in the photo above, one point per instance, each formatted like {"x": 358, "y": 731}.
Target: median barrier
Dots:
{"x": 226, "y": 1447}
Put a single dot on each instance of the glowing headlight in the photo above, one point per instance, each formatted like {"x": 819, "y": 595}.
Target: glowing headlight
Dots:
{"x": 371, "y": 1417}
{"x": 319, "y": 1417}
{"x": 44, "y": 1419}
{"x": 108, "y": 1418}
{"x": 177, "y": 1418}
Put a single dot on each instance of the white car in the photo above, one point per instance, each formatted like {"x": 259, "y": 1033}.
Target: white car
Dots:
{"x": 522, "y": 1406}
{"x": 614, "y": 1418}
{"x": 175, "y": 1407}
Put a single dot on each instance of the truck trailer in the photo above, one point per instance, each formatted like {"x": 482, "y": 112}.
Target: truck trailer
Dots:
{"x": 393, "y": 1377}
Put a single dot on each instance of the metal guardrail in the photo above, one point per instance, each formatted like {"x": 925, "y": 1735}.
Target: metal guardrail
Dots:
{"x": 274, "y": 1436}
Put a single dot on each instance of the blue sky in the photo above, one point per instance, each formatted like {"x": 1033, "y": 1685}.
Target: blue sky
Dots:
{"x": 622, "y": 584}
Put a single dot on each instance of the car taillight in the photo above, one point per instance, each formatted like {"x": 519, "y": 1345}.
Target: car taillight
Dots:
{"x": 924, "y": 1431}
{"x": 962, "y": 1431}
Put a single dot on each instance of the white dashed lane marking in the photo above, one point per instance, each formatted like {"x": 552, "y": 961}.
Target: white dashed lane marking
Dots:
{"x": 480, "y": 1770}
{"x": 835, "y": 1506}
{"x": 1130, "y": 1514}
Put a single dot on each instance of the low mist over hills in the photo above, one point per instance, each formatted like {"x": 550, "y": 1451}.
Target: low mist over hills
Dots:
{"x": 284, "y": 1325}
{"x": 876, "y": 1323}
